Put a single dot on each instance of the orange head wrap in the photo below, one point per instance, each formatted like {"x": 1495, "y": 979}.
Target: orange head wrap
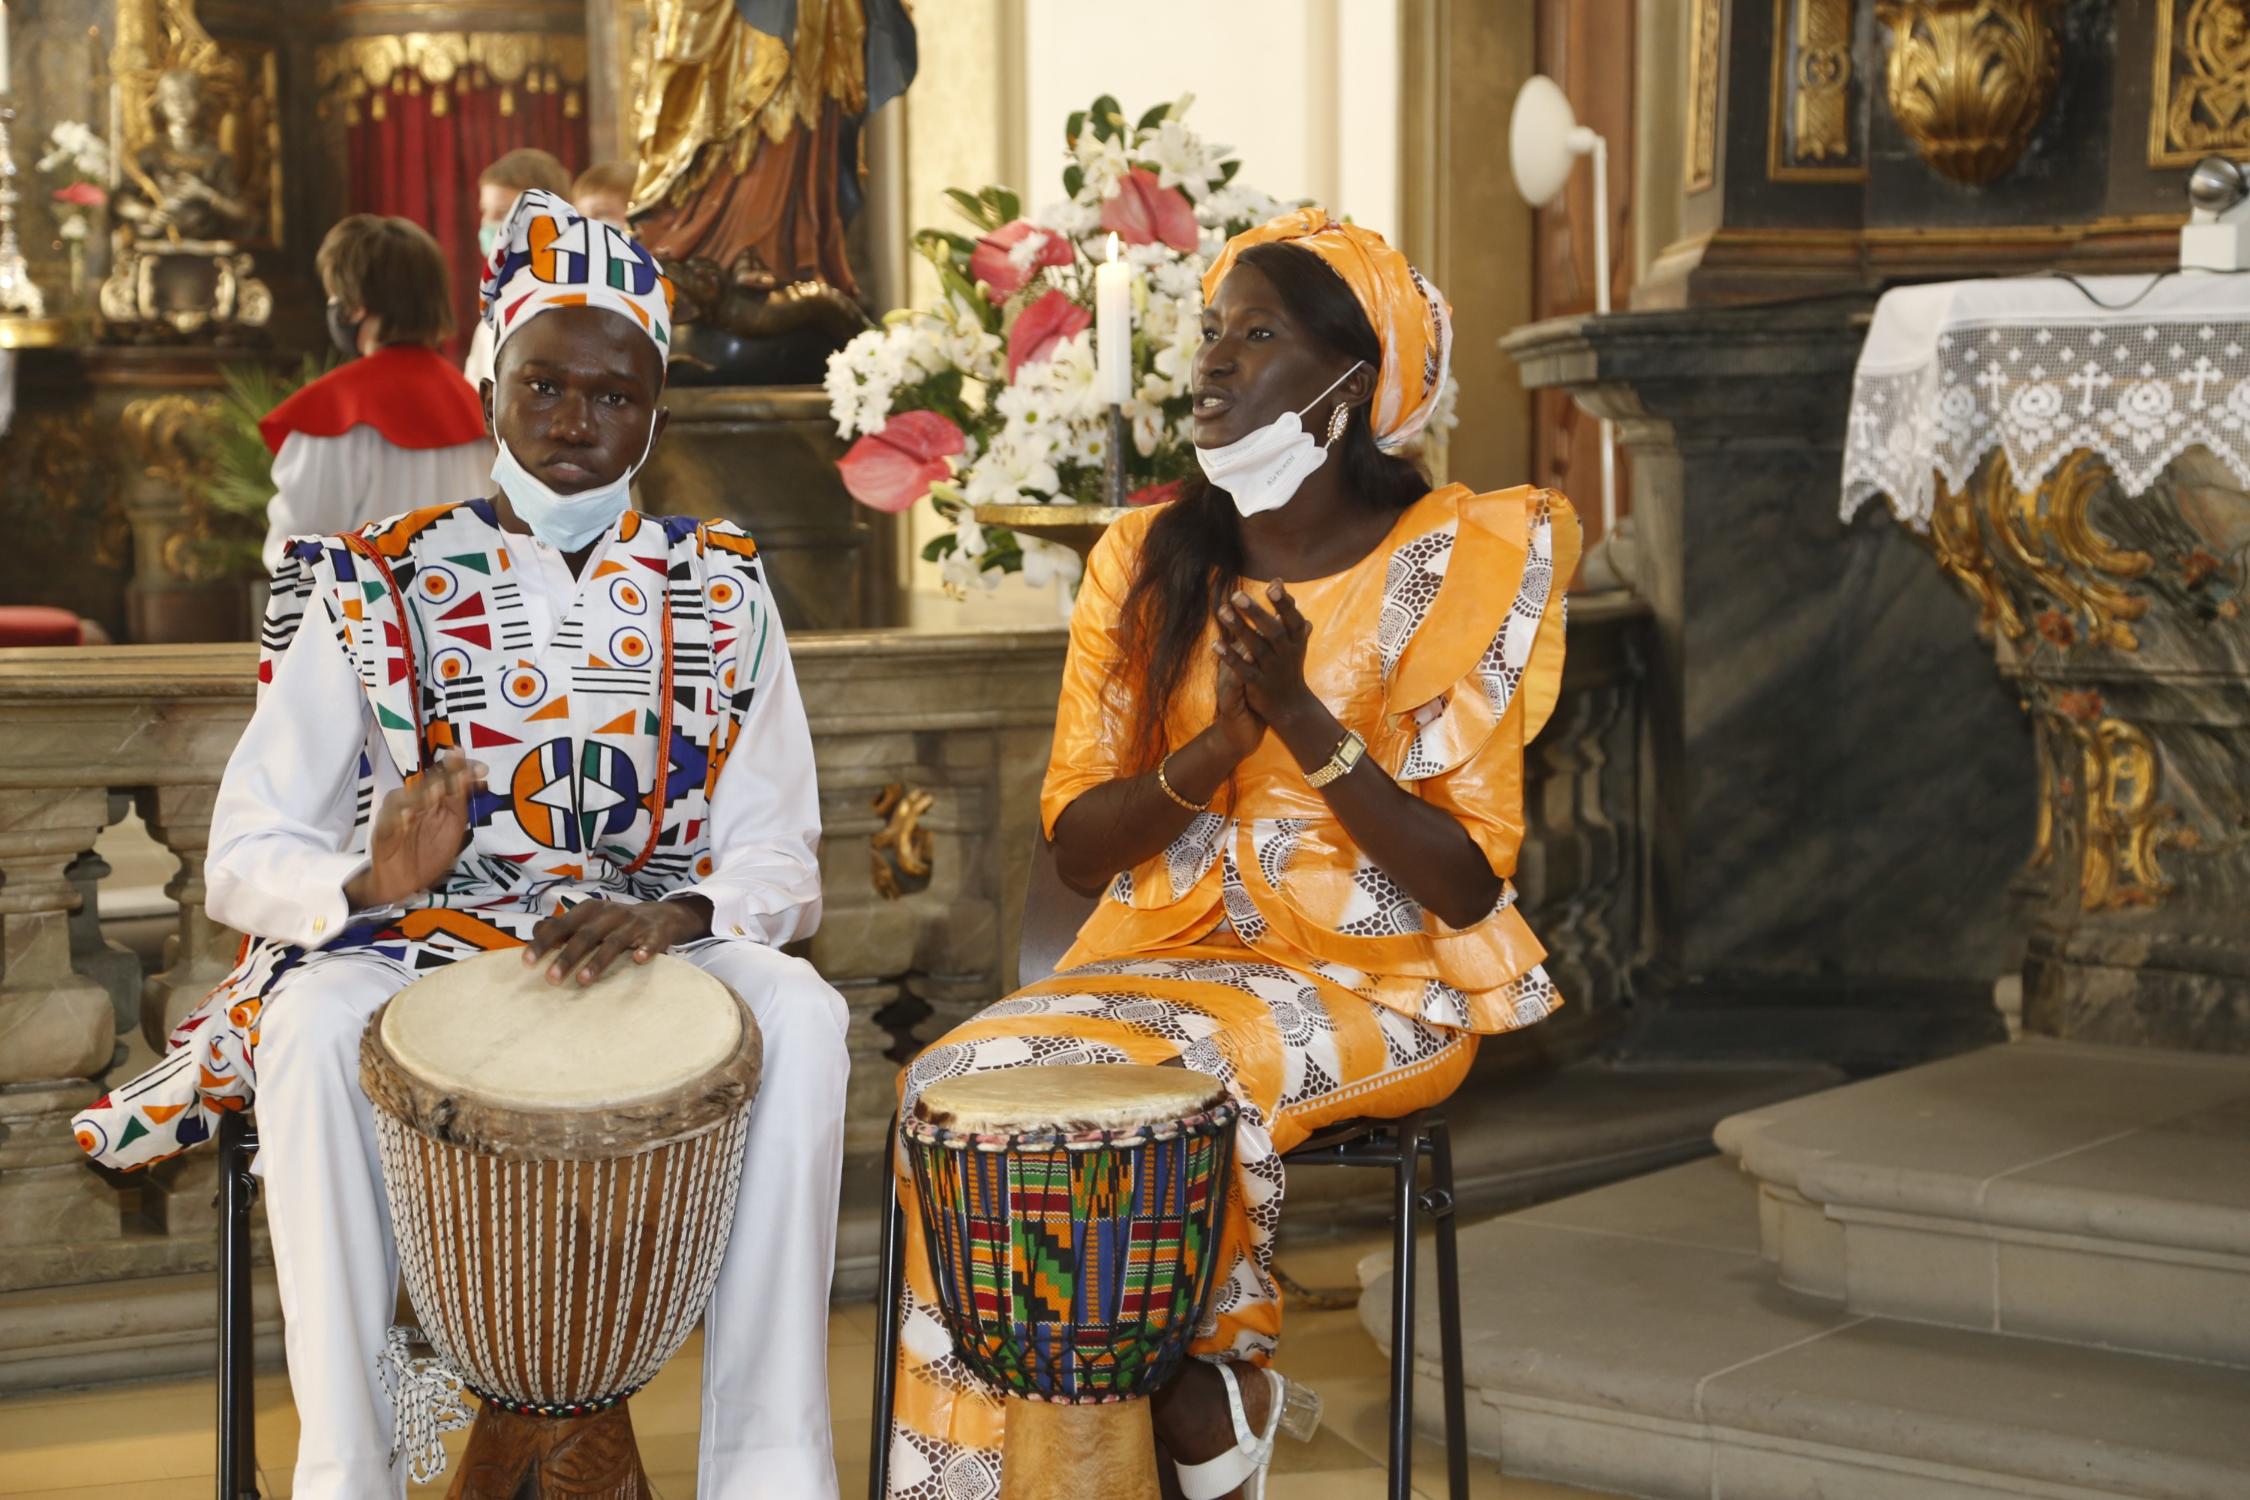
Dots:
{"x": 1410, "y": 317}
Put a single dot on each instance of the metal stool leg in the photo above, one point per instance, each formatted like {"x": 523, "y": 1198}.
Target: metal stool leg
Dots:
{"x": 238, "y": 1434}
{"x": 890, "y": 1281}
{"x": 1408, "y": 1134}
{"x": 1439, "y": 1204}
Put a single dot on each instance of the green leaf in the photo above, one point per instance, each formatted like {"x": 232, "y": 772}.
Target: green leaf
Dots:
{"x": 1071, "y": 129}
{"x": 1227, "y": 169}
{"x": 1010, "y": 206}
{"x": 959, "y": 244}
{"x": 1155, "y": 117}
{"x": 973, "y": 208}
{"x": 938, "y": 548}
{"x": 1074, "y": 180}
{"x": 1108, "y": 117}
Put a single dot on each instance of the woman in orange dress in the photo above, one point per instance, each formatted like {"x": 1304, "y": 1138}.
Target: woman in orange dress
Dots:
{"x": 1289, "y": 755}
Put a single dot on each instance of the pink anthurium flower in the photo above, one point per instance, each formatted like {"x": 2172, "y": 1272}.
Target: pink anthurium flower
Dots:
{"x": 1145, "y": 211}
{"x": 892, "y": 469}
{"x": 1157, "y": 494}
{"x": 1040, "y": 327}
{"x": 994, "y": 263}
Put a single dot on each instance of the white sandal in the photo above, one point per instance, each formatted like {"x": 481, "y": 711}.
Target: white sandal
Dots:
{"x": 1246, "y": 1462}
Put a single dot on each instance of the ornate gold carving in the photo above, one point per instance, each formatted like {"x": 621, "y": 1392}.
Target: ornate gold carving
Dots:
{"x": 169, "y": 434}
{"x": 367, "y": 70}
{"x": 61, "y": 464}
{"x": 1959, "y": 543}
{"x": 241, "y": 98}
{"x": 2123, "y": 825}
{"x": 1969, "y": 79}
{"x": 1811, "y": 115}
{"x": 1703, "y": 95}
{"x": 912, "y": 851}
{"x": 2202, "y": 99}
{"x": 2045, "y": 536}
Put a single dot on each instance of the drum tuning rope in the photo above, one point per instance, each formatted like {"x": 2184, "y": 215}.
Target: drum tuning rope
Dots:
{"x": 426, "y": 1400}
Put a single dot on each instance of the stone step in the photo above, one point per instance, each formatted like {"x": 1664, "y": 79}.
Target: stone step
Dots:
{"x": 139, "y": 1329}
{"x": 2099, "y": 1195}
{"x": 1632, "y": 1340}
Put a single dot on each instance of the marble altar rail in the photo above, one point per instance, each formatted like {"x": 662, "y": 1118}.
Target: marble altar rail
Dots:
{"x": 931, "y": 746}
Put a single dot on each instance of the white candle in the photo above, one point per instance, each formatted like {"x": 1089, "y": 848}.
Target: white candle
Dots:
{"x": 4, "y": 85}
{"x": 1113, "y": 328}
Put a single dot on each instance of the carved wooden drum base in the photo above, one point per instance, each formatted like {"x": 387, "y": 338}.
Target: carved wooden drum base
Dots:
{"x": 1054, "y": 1452}
{"x": 515, "y": 1456}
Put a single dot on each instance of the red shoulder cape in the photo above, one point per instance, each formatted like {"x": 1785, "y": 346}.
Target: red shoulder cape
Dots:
{"x": 415, "y": 397}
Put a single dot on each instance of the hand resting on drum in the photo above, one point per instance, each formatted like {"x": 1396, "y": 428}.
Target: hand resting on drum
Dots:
{"x": 420, "y": 831}
{"x": 592, "y": 935}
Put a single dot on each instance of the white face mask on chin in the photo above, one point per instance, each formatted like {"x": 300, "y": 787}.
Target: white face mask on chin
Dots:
{"x": 566, "y": 522}
{"x": 1263, "y": 470}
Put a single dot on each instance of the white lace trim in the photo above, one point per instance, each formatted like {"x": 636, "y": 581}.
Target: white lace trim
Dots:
{"x": 2037, "y": 369}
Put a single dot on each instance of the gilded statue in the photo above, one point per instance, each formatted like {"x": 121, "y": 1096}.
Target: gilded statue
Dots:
{"x": 179, "y": 269}
{"x": 182, "y": 185}
{"x": 749, "y": 117}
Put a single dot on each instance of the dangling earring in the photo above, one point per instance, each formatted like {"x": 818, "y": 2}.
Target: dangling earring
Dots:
{"x": 1338, "y": 420}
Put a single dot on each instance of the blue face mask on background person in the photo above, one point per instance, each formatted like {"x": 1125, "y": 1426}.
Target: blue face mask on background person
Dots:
{"x": 488, "y": 235}
{"x": 343, "y": 332}
{"x": 1262, "y": 471}
{"x": 566, "y": 522}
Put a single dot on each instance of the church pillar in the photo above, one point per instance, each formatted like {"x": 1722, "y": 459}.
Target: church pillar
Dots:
{"x": 1461, "y": 220}
{"x": 1841, "y": 790}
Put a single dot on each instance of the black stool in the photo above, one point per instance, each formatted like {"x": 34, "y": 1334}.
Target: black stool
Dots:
{"x": 1399, "y": 1145}
{"x": 238, "y": 1415}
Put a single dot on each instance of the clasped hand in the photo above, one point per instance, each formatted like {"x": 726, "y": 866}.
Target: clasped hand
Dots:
{"x": 1261, "y": 655}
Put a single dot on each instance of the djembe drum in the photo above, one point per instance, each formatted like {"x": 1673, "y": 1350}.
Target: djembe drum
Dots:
{"x": 561, "y": 1162}
{"x": 1072, "y": 1219}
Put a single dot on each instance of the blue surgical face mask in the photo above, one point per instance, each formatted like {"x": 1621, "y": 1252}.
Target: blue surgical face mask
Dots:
{"x": 488, "y": 235}
{"x": 566, "y": 522}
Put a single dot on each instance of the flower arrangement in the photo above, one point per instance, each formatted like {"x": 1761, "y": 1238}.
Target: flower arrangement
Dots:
{"x": 81, "y": 158}
{"x": 988, "y": 396}
{"x": 82, "y": 161}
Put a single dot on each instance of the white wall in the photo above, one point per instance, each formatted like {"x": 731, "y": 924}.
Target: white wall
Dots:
{"x": 1305, "y": 91}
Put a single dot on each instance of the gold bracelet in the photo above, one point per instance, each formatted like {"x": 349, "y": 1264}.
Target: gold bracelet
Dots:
{"x": 1165, "y": 782}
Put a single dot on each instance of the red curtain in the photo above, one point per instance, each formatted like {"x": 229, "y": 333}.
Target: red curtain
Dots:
{"x": 416, "y": 151}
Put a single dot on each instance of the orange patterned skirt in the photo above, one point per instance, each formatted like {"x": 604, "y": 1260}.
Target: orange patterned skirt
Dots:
{"x": 1297, "y": 1051}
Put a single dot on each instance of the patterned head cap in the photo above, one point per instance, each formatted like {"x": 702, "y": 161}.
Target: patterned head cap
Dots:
{"x": 1411, "y": 318}
{"x": 548, "y": 256}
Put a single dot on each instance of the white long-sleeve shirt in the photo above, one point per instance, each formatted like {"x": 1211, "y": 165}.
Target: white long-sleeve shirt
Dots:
{"x": 281, "y": 830}
{"x": 324, "y": 485}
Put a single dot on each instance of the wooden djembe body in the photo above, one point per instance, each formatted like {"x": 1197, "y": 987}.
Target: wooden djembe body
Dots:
{"x": 561, "y": 1163}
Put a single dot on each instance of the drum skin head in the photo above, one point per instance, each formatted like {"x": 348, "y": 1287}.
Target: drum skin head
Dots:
{"x": 1084, "y": 1097}
{"x": 488, "y": 1054}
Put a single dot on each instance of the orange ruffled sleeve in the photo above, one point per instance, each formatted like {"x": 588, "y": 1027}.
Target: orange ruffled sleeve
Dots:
{"x": 1472, "y": 688}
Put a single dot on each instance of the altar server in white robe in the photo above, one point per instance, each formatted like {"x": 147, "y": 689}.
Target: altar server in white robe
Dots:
{"x": 393, "y": 428}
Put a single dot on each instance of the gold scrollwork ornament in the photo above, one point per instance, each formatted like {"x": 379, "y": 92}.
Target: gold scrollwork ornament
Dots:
{"x": 902, "y": 849}
{"x": 2007, "y": 545}
{"x": 2202, "y": 99}
{"x": 1968, "y": 79}
{"x": 2124, "y": 827}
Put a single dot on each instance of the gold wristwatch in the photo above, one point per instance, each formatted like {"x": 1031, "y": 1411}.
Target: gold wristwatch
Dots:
{"x": 1340, "y": 764}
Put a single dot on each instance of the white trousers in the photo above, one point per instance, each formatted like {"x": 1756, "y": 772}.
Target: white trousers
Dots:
{"x": 765, "y": 1338}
